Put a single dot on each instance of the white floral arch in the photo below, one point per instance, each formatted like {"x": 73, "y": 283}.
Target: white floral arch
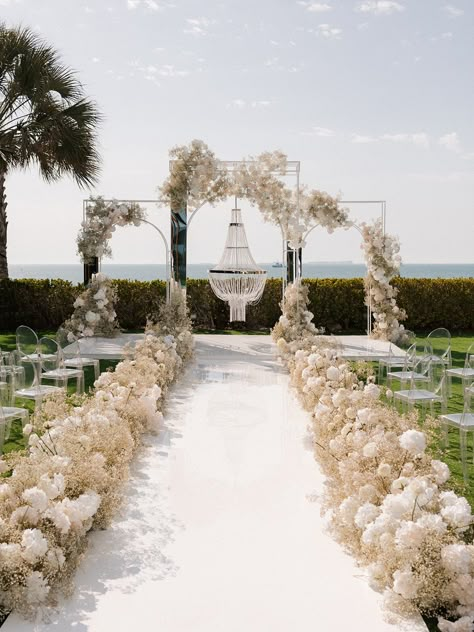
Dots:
{"x": 197, "y": 176}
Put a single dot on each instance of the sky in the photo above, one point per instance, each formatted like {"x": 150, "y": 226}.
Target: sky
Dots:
{"x": 374, "y": 97}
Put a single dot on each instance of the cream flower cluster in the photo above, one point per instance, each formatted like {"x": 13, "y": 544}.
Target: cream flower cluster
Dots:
{"x": 195, "y": 177}
{"x": 71, "y": 479}
{"x": 383, "y": 263}
{"x": 173, "y": 319}
{"x": 94, "y": 311}
{"x": 387, "y": 498}
{"x": 295, "y": 323}
{"x": 101, "y": 219}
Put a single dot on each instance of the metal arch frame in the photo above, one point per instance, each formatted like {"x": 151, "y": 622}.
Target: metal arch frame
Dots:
{"x": 383, "y": 208}
{"x": 293, "y": 167}
{"x": 143, "y": 221}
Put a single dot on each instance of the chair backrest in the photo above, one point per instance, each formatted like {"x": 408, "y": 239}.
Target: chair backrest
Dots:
{"x": 469, "y": 361}
{"x": 26, "y": 340}
{"x": 410, "y": 357}
{"x": 408, "y": 338}
{"x": 438, "y": 378}
{"x": 50, "y": 353}
{"x": 440, "y": 339}
{"x": 29, "y": 370}
{"x": 68, "y": 349}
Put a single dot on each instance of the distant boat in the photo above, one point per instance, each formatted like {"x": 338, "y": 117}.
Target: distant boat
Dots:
{"x": 277, "y": 264}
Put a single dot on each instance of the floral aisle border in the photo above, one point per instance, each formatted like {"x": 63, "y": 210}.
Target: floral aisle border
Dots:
{"x": 388, "y": 500}
{"x": 197, "y": 177}
{"x": 73, "y": 476}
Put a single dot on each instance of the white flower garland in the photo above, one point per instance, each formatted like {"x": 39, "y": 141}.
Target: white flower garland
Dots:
{"x": 383, "y": 263}
{"x": 72, "y": 478}
{"x": 94, "y": 311}
{"x": 100, "y": 222}
{"x": 387, "y": 498}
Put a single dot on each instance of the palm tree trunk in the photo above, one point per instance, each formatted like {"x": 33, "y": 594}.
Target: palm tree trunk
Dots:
{"x": 3, "y": 228}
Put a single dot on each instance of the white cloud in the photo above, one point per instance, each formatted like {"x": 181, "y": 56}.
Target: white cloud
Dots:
{"x": 237, "y": 103}
{"x": 452, "y": 11}
{"x": 362, "y": 139}
{"x": 329, "y": 32}
{"x": 418, "y": 138}
{"x": 86, "y": 10}
{"x": 316, "y": 7}
{"x": 168, "y": 70}
{"x": 380, "y": 7}
{"x": 323, "y": 132}
{"x": 450, "y": 142}
{"x": 198, "y": 26}
{"x": 95, "y": 60}
{"x": 152, "y": 5}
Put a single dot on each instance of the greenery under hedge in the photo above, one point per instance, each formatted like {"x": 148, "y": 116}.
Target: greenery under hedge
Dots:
{"x": 338, "y": 304}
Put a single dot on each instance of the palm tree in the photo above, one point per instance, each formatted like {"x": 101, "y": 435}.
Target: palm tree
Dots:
{"x": 45, "y": 118}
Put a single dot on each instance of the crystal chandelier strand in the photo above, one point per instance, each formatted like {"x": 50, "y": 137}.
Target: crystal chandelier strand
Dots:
{"x": 237, "y": 279}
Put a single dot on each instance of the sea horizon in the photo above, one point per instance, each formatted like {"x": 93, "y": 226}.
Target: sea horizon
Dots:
{"x": 73, "y": 272}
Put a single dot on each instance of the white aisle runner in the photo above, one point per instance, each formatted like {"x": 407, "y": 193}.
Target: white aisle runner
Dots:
{"x": 221, "y": 531}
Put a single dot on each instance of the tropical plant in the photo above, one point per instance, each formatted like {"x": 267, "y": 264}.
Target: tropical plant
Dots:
{"x": 45, "y": 118}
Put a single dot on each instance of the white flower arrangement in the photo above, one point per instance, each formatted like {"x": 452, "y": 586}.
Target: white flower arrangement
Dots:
{"x": 94, "y": 311}
{"x": 101, "y": 219}
{"x": 71, "y": 479}
{"x": 295, "y": 323}
{"x": 383, "y": 263}
{"x": 388, "y": 500}
{"x": 173, "y": 319}
{"x": 196, "y": 177}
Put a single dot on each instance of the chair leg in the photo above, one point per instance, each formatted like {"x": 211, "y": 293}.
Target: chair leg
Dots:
{"x": 80, "y": 384}
{"x": 97, "y": 369}
{"x": 444, "y": 436}
{"x": 463, "y": 442}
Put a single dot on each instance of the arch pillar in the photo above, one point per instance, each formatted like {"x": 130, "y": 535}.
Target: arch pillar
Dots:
{"x": 179, "y": 229}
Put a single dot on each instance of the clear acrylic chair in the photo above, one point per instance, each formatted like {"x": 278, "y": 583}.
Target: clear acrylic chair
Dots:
{"x": 440, "y": 340}
{"x": 395, "y": 359}
{"x": 72, "y": 354}
{"x": 416, "y": 368}
{"x": 32, "y": 387}
{"x": 52, "y": 365}
{"x": 466, "y": 373}
{"x": 27, "y": 343}
{"x": 8, "y": 412}
{"x": 464, "y": 422}
{"x": 434, "y": 393}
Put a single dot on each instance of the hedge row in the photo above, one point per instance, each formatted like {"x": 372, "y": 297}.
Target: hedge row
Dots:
{"x": 338, "y": 304}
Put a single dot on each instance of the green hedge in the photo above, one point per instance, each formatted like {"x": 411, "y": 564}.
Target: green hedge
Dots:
{"x": 338, "y": 304}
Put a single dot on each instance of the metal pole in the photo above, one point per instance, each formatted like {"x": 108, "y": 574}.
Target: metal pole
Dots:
{"x": 167, "y": 250}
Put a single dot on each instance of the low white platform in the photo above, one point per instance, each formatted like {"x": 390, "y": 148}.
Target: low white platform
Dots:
{"x": 100, "y": 348}
{"x": 364, "y": 348}
{"x": 353, "y": 347}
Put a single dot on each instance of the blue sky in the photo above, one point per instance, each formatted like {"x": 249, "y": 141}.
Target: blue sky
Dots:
{"x": 375, "y": 98}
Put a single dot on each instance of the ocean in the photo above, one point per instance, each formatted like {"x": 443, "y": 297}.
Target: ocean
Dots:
{"x": 148, "y": 272}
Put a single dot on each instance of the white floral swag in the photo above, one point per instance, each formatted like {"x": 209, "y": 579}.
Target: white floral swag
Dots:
{"x": 100, "y": 222}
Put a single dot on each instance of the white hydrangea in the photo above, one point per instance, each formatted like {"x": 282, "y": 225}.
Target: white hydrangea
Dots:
{"x": 464, "y": 624}
{"x": 458, "y": 558}
{"x": 365, "y": 514}
{"x": 34, "y": 545}
{"x": 36, "y": 498}
{"x": 37, "y": 588}
{"x": 413, "y": 441}
{"x": 440, "y": 471}
{"x": 404, "y": 584}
